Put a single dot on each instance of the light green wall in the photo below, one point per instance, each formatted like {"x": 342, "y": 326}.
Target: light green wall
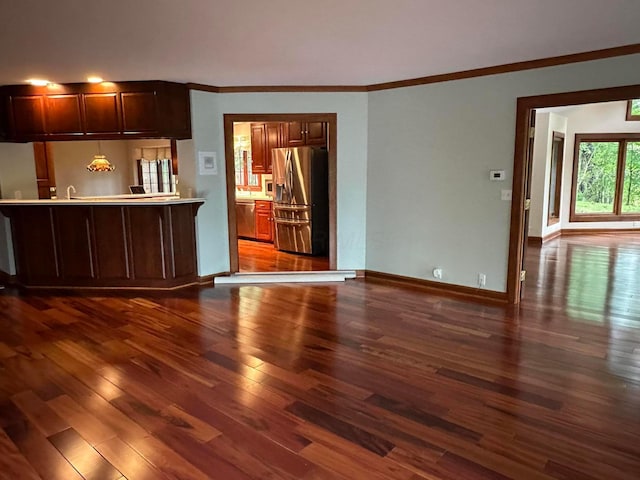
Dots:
{"x": 212, "y": 226}
{"x": 430, "y": 201}
{"x": 207, "y": 111}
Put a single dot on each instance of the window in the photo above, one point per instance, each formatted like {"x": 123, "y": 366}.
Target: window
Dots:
{"x": 555, "y": 177}
{"x": 245, "y": 178}
{"x": 633, "y": 110}
{"x": 155, "y": 170}
{"x": 606, "y": 178}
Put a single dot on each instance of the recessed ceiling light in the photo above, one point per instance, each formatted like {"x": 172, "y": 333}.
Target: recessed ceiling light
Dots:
{"x": 38, "y": 82}
{"x": 94, "y": 79}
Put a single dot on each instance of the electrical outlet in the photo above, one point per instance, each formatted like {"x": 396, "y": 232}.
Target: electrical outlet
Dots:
{"x": 437, "y": 273}
{"x": 482, "y": 279}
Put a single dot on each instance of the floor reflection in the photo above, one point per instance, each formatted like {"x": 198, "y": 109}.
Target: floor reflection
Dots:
{"x": 588, "y": 286}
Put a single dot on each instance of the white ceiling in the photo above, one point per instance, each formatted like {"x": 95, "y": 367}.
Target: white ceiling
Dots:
{"x": 296, "y": 42}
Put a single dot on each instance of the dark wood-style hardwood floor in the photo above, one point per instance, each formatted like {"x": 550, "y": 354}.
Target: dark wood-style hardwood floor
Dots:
{"x": 257, "y": 256}
{"x": 360, "y": 380}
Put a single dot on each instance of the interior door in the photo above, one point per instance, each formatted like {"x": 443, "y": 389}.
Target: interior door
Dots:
{"x": 527, "y": 198}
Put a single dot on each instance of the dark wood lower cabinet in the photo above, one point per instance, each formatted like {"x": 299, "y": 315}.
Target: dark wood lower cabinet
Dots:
{"x": 104, "y": 246}
{"x": 76, "y": 253}
{"x": 111, "y": 244}
{"x": 148, "y": 237}
{"x": 264, "y": 221}
{"x": 35, "y": 244}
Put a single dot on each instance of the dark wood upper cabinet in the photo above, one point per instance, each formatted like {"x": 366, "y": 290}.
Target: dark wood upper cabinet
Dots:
{"x": 306, "y": 133}
{"x": 150, "y": 109}
{"x": 316, "y": 133}
{"x": 264, "y": 137}
{"x": 27, "y": 116}
{"x": 295, "y": 134}
{"x": 258, "y": 148}
{"x": 139, "y": 112}
{"x": 101, "y": 113}
{"x": 269, "y": 135}
{"x": 62, "y": 114}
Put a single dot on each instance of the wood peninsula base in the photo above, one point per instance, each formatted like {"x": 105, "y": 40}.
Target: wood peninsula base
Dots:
{"x": 107, "y": 243}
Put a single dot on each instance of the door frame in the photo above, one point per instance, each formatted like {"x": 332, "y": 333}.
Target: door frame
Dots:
{"x": 332, "y": 131}
{"x": 517, "y": 233}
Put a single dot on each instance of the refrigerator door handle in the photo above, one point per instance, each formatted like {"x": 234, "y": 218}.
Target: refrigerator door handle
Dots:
{"x": 284, "y": 221}
{"x": 295, "y": 208}
{"x": 290, "y": 174}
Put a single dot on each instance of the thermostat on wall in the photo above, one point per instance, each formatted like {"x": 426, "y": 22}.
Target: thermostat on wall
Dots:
{"x": 496, "y": 175}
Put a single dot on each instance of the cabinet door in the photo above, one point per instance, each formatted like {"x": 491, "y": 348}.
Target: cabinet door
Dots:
{"x": 274, "y": 140}
{"x": 316, "y": 133}
{"x": 74, "y": 229}
{"x": 27, "y": 115}
{"x": 258, "y": 148}
{"x": 295, "y": 137}
{"x": 101, "y": 113}
{"x": 175, "y": 116}
{"x": 35, "y": 245}
{"x": 264, "y": 224}
{"x": 112, "y": 257}
{"x": 149, "y": 239}
{"x": 63, "y": 114}
{"x": 184, "y": 241}
{"x": 139, "y": 112}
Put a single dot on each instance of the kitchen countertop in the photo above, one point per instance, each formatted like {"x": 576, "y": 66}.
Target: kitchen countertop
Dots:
{"x": 106, "y": 200}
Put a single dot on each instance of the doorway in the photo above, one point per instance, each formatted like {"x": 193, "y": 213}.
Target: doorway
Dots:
{"x": 526, "y": 107}
{"x": 248, "y": 205}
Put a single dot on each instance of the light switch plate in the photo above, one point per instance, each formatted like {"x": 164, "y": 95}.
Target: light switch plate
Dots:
{"x": 505, "y": 195}
{"x": 497, "y": 175}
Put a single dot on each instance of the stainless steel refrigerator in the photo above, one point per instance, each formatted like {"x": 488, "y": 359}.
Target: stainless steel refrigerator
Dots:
{"x": 301, "y": 200}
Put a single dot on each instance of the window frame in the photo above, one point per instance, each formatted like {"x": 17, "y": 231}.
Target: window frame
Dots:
{"x": 616, "y": 215}
{"x": 557, "y": 194}
{"x": 630, "y": 117}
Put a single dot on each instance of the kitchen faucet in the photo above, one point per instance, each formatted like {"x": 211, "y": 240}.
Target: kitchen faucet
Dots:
{"x": 69, "y": 188}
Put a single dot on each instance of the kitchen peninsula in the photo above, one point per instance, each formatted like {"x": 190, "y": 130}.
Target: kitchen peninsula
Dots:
{"x": 104, "y": 241}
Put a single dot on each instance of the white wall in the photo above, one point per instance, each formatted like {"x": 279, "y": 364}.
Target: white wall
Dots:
{"x": 594, "y": 118}
{"x": 608, "y": 117}
{"x": 430, "y": 202}
{"x": 207, "y": 110}
{"x": 71, "y": 160}
{"x": 546, "y": 123}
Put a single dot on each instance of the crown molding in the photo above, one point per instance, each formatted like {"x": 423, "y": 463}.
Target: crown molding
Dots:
{"x": 445, "y": 77}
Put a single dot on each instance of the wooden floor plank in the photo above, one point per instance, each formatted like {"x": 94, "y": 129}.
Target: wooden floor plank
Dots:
{"x": 12, "y": 463}
{"x": 84, "y": 458}
{"x": 41, "y": 454}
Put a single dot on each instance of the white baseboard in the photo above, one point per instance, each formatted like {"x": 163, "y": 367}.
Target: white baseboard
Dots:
{"x": 286, "y": 277}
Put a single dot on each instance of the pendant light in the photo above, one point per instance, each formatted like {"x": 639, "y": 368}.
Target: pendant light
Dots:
{"x": 100, "y": 163}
